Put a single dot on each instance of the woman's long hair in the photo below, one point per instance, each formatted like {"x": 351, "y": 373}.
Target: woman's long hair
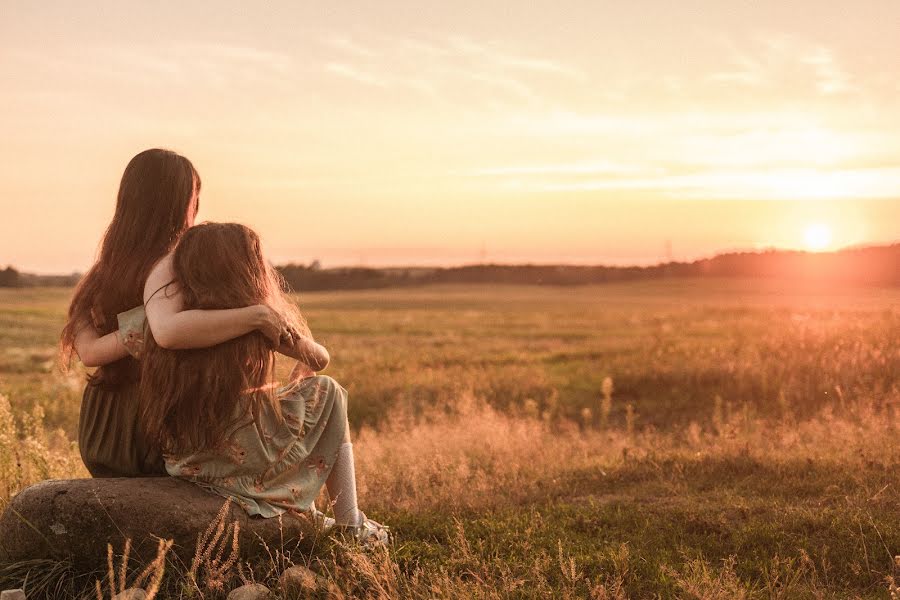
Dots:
{"x": 151, "y": 215}
{"x": 191, "y": 399}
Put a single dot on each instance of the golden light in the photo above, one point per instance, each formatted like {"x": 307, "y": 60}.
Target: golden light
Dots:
{"x": 797, "y": 184}
{"x": 817, "y": 237}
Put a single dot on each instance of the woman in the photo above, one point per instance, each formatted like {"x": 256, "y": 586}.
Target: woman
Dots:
{"x": 215, "y": 411}
{"x": 157, "y": 202}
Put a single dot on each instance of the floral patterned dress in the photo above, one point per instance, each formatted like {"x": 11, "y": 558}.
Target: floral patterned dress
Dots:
{"x": 267, "y": 465}
{"x": 270, "y": 467}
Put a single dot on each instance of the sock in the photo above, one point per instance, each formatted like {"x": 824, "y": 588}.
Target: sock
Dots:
{"x": 341, "y": 484}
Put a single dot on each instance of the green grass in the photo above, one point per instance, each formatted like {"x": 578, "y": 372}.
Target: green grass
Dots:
{"x": 761, "y": 460}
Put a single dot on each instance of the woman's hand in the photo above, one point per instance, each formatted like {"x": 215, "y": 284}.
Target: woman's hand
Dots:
{"x": 272, "y": 325}
{"x": 307, "y": 351}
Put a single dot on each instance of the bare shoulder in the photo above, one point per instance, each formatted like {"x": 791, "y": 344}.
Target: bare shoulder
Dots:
{"x": 162, "y": 274}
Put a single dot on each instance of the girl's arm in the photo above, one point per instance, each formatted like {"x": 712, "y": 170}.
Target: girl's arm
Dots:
{"x": 95, "y": 350}
{"x": 175, "y": 328}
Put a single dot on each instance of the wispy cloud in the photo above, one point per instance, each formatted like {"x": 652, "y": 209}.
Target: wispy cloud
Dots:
{"x": 596, "y": 167}
{"x": 442, "y": 66}
{"x": 493, "y": 53}
{"x": 172, "y": 63}
{"x": 830, "y": 77}
{"x": 782, "y": 62}
{"x": 232, "y": 53}
{"x": 353, "y": 73}
{"x": 511, "y": 85}
{"x": 348, "y": 45}
{"x": 762, "y": 155}
{"x": 660, "y": 126}
{"x": 769, "y": 184}
{"x": 743, "y": 71}
{"x": 542, "y": 66}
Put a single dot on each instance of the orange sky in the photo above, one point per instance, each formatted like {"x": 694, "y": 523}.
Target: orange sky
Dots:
{"x": 447, "y": 133}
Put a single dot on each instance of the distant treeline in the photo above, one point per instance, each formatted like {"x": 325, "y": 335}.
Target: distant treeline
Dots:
{"x": 10, "y": 277}
{"x": 876, "y": 265}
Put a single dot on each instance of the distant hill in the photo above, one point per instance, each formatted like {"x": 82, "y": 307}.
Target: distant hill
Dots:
{"x": 873, "y": 265}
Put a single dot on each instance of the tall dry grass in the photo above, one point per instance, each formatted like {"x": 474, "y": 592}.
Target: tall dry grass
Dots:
{"x": 29, "y": 453}
{"x": 477, "y": 460}
{"x": 476, "y": 457}
{"x": 609, "y": 443}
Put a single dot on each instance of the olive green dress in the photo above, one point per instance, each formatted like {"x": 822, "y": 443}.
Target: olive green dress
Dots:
{"x": 109, "y": 435}
{"x": 110, "y": 438}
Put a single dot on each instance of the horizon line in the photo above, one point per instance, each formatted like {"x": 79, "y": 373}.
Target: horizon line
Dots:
{"x": 537, "y": 263}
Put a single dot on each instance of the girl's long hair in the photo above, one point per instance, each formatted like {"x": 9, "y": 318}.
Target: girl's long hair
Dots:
{"x": 151, "y": 215}
{"x": 191, "y": 399}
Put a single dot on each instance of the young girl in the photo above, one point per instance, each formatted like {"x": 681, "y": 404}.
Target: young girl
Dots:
{"x": 157, "y": 202}
{"x": 215, "y": 411}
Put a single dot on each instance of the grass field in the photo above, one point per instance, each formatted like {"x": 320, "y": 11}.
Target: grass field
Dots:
{"x": 684, "y": 438}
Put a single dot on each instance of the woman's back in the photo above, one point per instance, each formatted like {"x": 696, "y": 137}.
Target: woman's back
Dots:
{"x": 156, "y": 202}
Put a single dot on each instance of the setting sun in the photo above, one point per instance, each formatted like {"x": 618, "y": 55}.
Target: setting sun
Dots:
{"x": 817, "y": 237}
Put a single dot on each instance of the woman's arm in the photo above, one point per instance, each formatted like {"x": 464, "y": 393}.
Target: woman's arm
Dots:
{"x": 95, "y": 350}
{"x": 300, "y": 371}
{"x": 176, "y": 329}
{"x": 307, "y": 351}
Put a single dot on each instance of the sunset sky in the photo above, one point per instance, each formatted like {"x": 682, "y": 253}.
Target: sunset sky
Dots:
{"x": 453, "y": 132}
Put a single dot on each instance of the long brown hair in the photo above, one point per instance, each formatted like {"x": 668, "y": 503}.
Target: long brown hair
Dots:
{"x": 151, "y": 215}
{"x": 190, "y": 399}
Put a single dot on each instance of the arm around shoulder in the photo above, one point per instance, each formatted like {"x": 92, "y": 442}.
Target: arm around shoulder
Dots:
{"x": 175, "y": 328}
{"x": 162, "y": 302}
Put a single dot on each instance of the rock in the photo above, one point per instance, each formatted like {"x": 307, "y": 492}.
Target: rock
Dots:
{"x": 12, "y": 595}
{"x": 251, "y": 591}
{"x": 298, "y": 579}
{"x": 75, "y": 519}
{"x": 131, "y": 594}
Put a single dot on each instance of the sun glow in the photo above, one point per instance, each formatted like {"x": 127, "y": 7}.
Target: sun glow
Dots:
{"x": 817, "y": 237}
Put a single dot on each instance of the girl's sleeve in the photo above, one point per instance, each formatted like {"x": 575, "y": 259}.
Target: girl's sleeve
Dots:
{"x": 131, "y": 330}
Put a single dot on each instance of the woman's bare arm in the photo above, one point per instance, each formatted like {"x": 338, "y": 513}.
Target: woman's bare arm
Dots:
{"x": 95, "y": 350}
{"x": 176, "y": 329}
{"x": 300, "y": 371}
{"x": 307, "y": 351}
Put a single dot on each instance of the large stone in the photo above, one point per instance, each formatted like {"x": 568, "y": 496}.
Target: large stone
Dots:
{"x": 75, "y": 519}
{"x": 131, "y": 594}
{"x": 251, "y": 591}
{"x": 12, "y": 595}
{"x": 299, "y": 579}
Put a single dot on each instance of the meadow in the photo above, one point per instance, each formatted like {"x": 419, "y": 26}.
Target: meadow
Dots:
{"x": 672, "y": 438}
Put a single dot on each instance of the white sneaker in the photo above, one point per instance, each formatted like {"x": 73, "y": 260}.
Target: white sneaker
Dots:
{"x": 368, "y": 533}
{"x": 323, "y": 522}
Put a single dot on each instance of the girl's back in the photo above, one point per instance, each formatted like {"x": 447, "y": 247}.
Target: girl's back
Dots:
{"x": 270, "y": 464}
